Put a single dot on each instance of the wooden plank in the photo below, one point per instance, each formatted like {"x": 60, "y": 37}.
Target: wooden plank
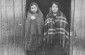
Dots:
{"x": 3, "y": 20}
{"x": 83, "y": 18}
{"x": 23, "y": 21}
{"x": 4, "y": 33}
{"x": 79, "y": 27}
{"x": 78, "y": 18}
{"x": 72, "y": 26}
{"x": 11, "y": 13}
{"x": 18, "y": 9}
{"x": 1, "y": 38}
{"x": 0, "y": 19}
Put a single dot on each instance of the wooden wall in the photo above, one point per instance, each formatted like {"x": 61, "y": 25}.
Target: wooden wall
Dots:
{"x": 79, "y": 18}
{"x": 12, "y": 15}
{"x": 78, "y": 27}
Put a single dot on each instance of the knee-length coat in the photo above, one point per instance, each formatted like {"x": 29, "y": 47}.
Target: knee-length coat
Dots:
{"x": 33, "y": 29}
{"x": 56, "y": 28}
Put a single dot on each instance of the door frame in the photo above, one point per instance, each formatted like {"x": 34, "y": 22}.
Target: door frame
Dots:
{"x": 72, "y": 26}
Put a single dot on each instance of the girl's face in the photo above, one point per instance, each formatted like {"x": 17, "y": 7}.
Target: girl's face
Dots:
{"x": 54, "y": 8}
{"x": 34, "y": 8}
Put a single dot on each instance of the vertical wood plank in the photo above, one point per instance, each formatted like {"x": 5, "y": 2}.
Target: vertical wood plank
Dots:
{"x": 72, "y": 25}
{"x": 23, "y": 21}
{"x": 79, "y": 27}
{"x": 83, "y": 18}
{"x": 78, "y": 18}
{"x": 1, "y": 50}
{"x": 11, "y": 26}
{"x": 9, "y": 10}
{"x": 18, "y": 21}
{"x": 4, "y": 23}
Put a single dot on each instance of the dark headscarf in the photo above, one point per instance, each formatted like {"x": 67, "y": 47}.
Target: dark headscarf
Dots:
{"x": 34, "y": 3}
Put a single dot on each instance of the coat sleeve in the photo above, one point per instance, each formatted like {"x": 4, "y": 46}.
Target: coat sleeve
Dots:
{"x": 42, "y": 20}
{"x": 67, "y": 28}
{"x": 46, "y": 25}
{"x": 40, "y": 23}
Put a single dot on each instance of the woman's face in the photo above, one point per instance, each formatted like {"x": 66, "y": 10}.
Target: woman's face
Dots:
{"x": 34, "y": 8}
{"x": 54, "y": 8}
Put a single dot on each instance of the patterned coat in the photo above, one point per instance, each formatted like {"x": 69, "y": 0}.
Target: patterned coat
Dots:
{"x": 56, "y": 28}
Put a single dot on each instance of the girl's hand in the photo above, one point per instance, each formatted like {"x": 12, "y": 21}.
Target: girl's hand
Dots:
{"x": 33, "y": 17}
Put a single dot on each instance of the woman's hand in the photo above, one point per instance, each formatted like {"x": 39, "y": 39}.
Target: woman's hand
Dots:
{"x": 33, "y": 17}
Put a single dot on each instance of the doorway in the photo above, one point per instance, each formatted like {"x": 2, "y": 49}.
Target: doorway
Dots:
{"x": 44, "y": 5}
{"x": 65, "y": 6}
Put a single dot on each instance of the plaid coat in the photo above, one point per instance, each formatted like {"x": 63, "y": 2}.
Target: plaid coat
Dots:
{"x": 56, "y": 28}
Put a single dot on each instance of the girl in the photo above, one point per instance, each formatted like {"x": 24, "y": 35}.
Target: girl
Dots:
{"x": 33, "y": 27}
{"x": 56, "y": 26}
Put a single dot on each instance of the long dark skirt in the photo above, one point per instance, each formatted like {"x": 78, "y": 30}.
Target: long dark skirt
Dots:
{"x": 52, "y": 40}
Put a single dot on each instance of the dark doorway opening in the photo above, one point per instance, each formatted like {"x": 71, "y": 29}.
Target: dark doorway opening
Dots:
{"x": 44, "y": 5}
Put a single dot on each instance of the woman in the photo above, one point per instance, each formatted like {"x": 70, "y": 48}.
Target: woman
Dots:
{"x": 56, "y": 27}
{"x": 33, "y": 27}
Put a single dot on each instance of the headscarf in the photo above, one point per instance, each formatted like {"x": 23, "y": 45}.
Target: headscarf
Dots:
{"x": 39, "y": 13}
{"x": 38, "y": 10}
